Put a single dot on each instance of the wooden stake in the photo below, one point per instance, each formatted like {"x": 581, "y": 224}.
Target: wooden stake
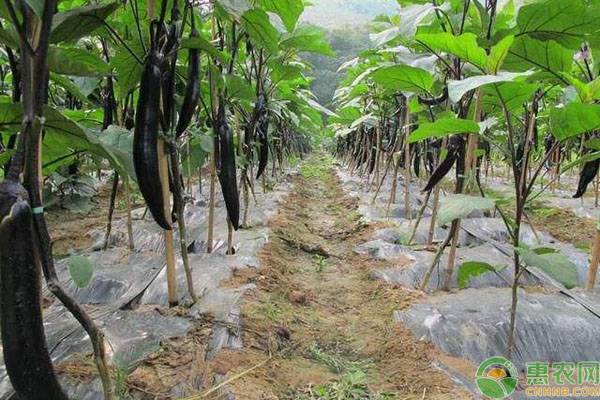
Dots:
{"x": 593, "y": 270}
{"x": 129, "y": 220}
{"x": 392, "y": 198}
{"x": 469, "y": 161}
{"x": 436, "y": 202}
{"x": 407, "y": 211}
{"x": 452, "y": 255}
{"x": 596, "y": 195}
{"x": 419, "y": 217}
{"x": 230, "y": 249}
{"x": 211, "y": 206}
{"x": 163, "y": 167}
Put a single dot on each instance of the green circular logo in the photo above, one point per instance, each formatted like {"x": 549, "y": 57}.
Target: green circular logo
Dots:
{"x": 497, "y": 378}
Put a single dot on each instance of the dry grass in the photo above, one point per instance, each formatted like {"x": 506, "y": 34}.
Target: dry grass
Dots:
{"x": 325, "y": 322}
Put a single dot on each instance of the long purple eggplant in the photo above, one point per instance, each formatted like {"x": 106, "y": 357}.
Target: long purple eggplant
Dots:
{"x": 588, "y": 173}
{"x": 226, "y": 167}
{"x": 442, "y": 170}
{"x": 145, "y": 140}
{"x": 192, "y": 90}
{"x": 26, "y": 356}
{"x": 263, "y": 140}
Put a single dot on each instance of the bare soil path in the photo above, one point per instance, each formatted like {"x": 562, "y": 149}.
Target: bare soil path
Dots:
{"x": 318, "y": 326}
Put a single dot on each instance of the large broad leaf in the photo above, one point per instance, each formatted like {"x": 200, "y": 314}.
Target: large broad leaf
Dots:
{"x": 404, "y": 55}
{"x": 403, "y": 78}
{"x": 239, "y": 88}
{"x": 235, "y": 8}
{"x": 567, "y": 22}
{"x": 74, "y": 24}
{"x": 288, "y": 10}
{"x": 512, "y": 94}
{"x": 315, "y": 105}
{"x": 69, "y": 85}
{"x": 457, "y": 89}
{"x": 549, "y": 57}
{"x": 443, "y": 127}
{"x": 201, "y": 43}
{"x": 119, "y": 142}
{"x": 128, "y": 69}
{"x": 369, "y": 120}
{"x": 281, "y": 72}
{"x": 472, "y": 269}
{"x": 587, "y": 91}
{"x": 11, "y": 117}
{"x": 498, "y": 54}
{"x": 464, "y": 46}
{"x": 555, "y": 264}
{"x": 63, "y": 136}
{"x": 259, "y": 27}
{"x": 457, "y": 206}
{"x": 346, "y": 115}
{"x": 574, "y": 119}
{"x": 410, "y": 18}
{"x": 308, "y": 38}
{"x": 76, "y": 62}
{"x": 81, "y": 270}
{"x": 194, "y": 156}
{"x": 9, "y": 38}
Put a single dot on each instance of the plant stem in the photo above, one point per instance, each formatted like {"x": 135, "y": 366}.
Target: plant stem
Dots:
{"x": 111, "y": 209}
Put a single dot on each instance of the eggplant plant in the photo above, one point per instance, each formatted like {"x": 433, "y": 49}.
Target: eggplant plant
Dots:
{"x": 132, "y": 90}
{"x": 476, "y": 79}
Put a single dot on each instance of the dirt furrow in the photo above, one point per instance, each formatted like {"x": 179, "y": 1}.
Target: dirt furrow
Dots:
{"x": 317, "y": 325}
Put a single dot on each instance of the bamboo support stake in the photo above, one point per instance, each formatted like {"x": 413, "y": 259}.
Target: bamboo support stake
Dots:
{"x": 469, "y": 162}
{"x": 211, "y": 206}
{"x": 407, "y": 211}
{"x": 377, "y": 155}
{"x": 246, "y": 198}
{"x": 230, "y": 249}
{"x": 392, "y": 198}
{"x": 452, "y": 255}
{"x": 188, "y": 167}
{"x": 597, "y": 193}
{"x": 419, "y": 218}
{"x": 436, "y": 202}
{"x": 163, "y": 168}
{"x": 163, "y": 171}
{"x": 200, "y": 181}
{"x": 593, "y": 269}
{"x": 129, "y": 220}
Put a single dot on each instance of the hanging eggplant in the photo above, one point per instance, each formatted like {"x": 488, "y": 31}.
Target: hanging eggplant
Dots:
{"x": 454, "y": 151}
{"x": 588, "y": 173}
{"x": 192, "y": 90}
{"x": 225, "y": 157}
{"x": 145, "y": 140}
{"x": 108, "y": 105}
{"x": 26, "y": 356}
{"x": 249, "y": 136}
{"x": 263, "y": 140}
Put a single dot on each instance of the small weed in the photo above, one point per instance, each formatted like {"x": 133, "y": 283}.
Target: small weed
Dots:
{"x": 336, "y": 364}
{"x": 352, "y": 385}
{"x": 545, "y": 212}
{"x": 120, "y": 377}
{"x": 319, "y": 168}
{"x": 584, "y": 246}
{"x": 293, "y": 161}
{"x": 321, "y": 263}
